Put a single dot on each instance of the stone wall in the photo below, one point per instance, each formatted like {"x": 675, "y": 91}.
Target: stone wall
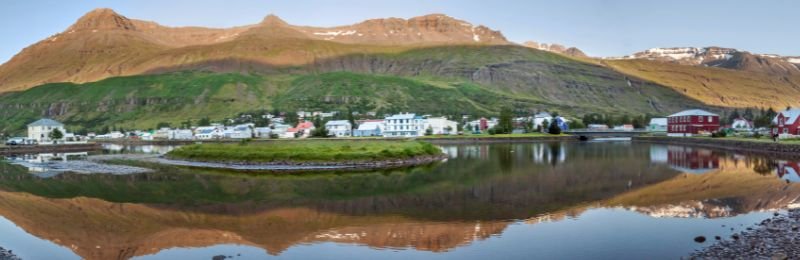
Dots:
{"x": 765, "y": 148}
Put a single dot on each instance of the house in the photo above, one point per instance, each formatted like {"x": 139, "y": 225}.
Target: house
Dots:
{"x": 209, "y": 132}
{"x": 291, "y": 132}
{"x": 625, "y": 127}
{"x": 279, "y": 129}
{"x": 112, "y": 135}
{"x": 180, "y": 134}
{"x": 786, "y": 123}
{"x": 741, "y": 124}
{"x": 441, "y": 126}
{"x": 305, "y": 128}
{"x": 339, "y": 128}
{"x": 404, "y": 125}
{"x": 239, "y": 132}
{"x": 262, "y": 132}
{"x": 597, "y": 126}
{"x": 41, "y": 129}
{"x": 540, "y": 118}
{"x": 692, "y": 122}
{"x": 657, "y": 125}
{"x": 369, "y": 128}
{"x": 481, "y": 124}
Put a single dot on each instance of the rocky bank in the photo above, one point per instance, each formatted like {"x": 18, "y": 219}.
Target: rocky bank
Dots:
{"x": 774, "y": 238}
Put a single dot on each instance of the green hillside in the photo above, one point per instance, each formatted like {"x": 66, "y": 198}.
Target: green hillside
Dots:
{"x": 453, "y": 80}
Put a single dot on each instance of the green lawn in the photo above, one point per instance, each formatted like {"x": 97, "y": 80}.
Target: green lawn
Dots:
{"x": 528, "y": 135}
{"x": 305, "y": 151}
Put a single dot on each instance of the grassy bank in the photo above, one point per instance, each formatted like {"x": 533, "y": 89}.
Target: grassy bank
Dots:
{"x": 305, "y": 151}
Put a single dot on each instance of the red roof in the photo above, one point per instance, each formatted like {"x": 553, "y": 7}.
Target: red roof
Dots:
{"x": 305, "y": 125}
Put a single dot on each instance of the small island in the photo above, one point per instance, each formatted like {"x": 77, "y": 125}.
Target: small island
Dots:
{"x": 308, "y": 154}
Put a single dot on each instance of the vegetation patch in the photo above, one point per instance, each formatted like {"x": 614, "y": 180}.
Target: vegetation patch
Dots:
{"x": 306, "y": 152}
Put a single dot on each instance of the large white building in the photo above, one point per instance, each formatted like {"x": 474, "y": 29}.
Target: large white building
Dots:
{"x": 441, "y": 126}
{"x": 41, "y": 129}
{"x": 404, "y": 125}
{"x": 339, "y": 128}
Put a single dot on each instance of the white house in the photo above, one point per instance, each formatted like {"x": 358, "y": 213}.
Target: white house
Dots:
{"x": 741, "y": 124}
{"x": 41, "y": 129}
{"x": 209, "y": 132}
{"x": 540, "y": 118}
{"x": 262, "y": 132}
{"x": 239, "y": 132}
{"x": 112, "y": 135}
{"x": 339, "y": 128}
{"x": 404, "y": 125}
{"x": 369, "y": 128}
{"x": 441, "y": 126}
{"x": 180, "y": 134}
{"x": 658, "y": 125}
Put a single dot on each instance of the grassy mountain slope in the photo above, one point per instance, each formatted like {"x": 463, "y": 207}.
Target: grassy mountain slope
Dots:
{"x": 716, "y": 86}
{"x": 450, "y": 80}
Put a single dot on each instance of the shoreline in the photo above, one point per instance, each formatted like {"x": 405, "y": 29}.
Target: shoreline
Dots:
{"x": 26, "y": 149}
{"x": 432, "y": 140}
{"x": 782, "y": 150}
{"x": 773, "y": 238}
{"x": 284, "y": 166}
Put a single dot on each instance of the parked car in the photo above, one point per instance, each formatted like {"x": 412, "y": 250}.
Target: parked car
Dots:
{"x": 19, "y": 141}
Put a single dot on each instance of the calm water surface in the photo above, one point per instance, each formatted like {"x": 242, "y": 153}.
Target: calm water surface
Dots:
{"x": 597, "y": 200}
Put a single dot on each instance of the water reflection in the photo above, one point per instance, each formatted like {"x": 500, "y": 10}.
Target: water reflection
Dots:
{"x": 479, "y": 194}
{"x": 148, "y": 149}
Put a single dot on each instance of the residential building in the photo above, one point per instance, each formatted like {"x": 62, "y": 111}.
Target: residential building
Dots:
{"x": 180, "y": 134}
{"x": 262, "y": 132}
{"x": 441, "y": 126}
{"x": 597, "y": 126}
{"x": 305, "y": 128}
{"x": 41, "y": 129}
{"x": 339, "y": 128}
{"x": 657, "y": 125}
{"x": 404, "y": 125}
{"x": 625, "y": 127}
{"x": 279, "y": 129}
{"x": 786, "y": 123}
{"x": 741, "y": 124}
{"x": 369, "y": 128}
{"x": 692, "y": 122}
{"x": 209, "y": 132}
{"x": 239, "y": 132}
{"x": 540, "y": 118}
{"x": 481, "y": 124}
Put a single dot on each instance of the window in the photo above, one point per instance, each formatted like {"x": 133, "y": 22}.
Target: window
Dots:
{"x": 710, "y": 119}
{"x": 701, "y": 119}
{"x": 786, "y": 130}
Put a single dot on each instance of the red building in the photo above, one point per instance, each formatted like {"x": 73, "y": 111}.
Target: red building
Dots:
{"x": 692, "y": 122}
{"x": 786, "y": 122}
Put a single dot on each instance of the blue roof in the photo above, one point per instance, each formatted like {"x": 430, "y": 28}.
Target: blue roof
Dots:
{"x": 46, "y": 122}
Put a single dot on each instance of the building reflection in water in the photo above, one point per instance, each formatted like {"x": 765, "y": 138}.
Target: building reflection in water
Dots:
{"x": 148, "y": 149}
{"x": 543, "y": 153}
{"x": 788, "y": 170}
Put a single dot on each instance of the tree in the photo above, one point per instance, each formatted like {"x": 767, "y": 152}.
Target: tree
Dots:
{"x": 320, "y": 131}
{"x": 56, "y": 134}
{"x": 291, "y": 118}
{"x": 734, "y": 115}
{"x": 545, "y": 125}
{"x": 429, "y": 131}
{"x": 351, "y": 118}
{"x": 449, "y": 129}
{"x": 554, "y": 129}
{"x": 505, "y": 124}
{"x": 205, "y": 121}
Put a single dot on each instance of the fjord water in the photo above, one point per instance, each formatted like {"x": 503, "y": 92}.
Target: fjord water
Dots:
{"x": 599, "y": 200}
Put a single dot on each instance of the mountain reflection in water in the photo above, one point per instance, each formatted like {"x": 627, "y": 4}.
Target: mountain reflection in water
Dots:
{"x": 475, "y": 195}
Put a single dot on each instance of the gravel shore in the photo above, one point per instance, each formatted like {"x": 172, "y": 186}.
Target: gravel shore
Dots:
{"x": 7, "y": 255}
{"x": 775, "y": 238}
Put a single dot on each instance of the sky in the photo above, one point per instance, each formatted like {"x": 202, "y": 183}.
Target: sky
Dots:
{"x": 600, "y": 28}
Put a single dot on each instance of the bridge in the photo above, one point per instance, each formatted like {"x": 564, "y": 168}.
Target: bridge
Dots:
{"x": 585, "y": 134}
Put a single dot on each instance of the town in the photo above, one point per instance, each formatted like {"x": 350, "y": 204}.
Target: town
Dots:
{"x": 693, "y": 122}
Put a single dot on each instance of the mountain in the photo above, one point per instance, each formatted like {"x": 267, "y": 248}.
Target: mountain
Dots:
{"x": 557, "y": 48}
{"x": 723, "y": 58}
{"x": 110, "y": 70}
{"x": 104, "y": 44}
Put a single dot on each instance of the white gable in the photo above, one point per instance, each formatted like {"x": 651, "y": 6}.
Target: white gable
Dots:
{"x": 791, "y": 113}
